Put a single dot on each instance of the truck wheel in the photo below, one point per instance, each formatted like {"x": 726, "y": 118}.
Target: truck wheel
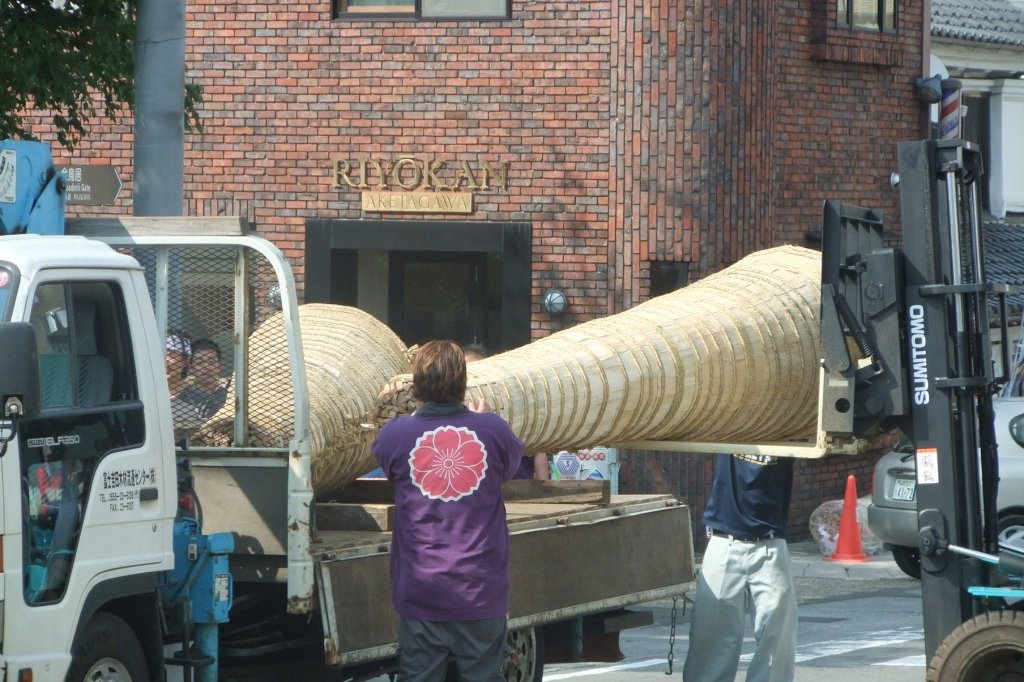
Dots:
{"x": 987, "y": 648}
{"x": 908, "y": 559}
{"x": 1011, "y": 530}
{"x": 526, "y": 664}
{"x": 107, "y": 651}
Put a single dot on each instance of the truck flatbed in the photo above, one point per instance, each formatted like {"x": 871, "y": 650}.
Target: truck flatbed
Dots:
{"x": 617, "y": 550}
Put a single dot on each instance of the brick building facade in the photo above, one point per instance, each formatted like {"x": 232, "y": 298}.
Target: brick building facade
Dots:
{"x": 636, "y": 144}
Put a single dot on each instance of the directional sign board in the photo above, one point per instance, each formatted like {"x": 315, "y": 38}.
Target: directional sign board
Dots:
{"x": 91, "y": 185}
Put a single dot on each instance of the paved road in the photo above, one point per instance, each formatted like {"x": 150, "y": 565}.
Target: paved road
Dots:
{"x": 857, "y": 623}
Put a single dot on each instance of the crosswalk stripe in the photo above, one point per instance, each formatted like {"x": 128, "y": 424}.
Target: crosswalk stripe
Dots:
{"x": 607, "y": 669}
{"x": 836, "y": 647}
{"x": 917, "y": 661}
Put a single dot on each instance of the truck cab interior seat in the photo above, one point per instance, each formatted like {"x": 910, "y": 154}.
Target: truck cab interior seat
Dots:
{"x": 95, "y": 380}
{"x": 95, "y": 371}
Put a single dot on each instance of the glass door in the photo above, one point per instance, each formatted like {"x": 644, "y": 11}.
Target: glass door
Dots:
{"x": 435, "y": 295}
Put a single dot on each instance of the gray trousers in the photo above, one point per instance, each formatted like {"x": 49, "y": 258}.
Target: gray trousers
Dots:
{"x": 736, "y": 575}
{"x": 476, "y": 648}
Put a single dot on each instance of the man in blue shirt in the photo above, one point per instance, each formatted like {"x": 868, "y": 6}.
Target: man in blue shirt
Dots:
{"x": 746, "y": 563}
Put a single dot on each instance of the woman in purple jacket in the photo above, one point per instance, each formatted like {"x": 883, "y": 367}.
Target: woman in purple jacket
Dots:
{"x": 450, "y": 546}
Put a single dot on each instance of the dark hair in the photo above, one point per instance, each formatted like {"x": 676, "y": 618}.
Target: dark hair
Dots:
{"x": 439, "y": 373}
{"x": 206, "y": 344}
{"x": 475, "y": 348}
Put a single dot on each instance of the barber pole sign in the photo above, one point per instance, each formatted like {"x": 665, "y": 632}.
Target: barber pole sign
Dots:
{"x": 949, "y": 111}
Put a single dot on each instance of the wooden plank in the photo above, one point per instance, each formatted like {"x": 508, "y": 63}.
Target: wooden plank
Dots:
{"x": 517, "y": 512}
{"x": 342, "y": 516}
{"x": 803, "y": 449}
{"x": 558, "y": 492}
{"x": 348, "y": 543}
{"x": 187, "y": 226}
{"x": 379, "y": 491}
{"x": 367, "y": 491}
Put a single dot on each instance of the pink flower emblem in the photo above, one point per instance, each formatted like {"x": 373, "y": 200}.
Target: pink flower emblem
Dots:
{"x": 448, "y": 463}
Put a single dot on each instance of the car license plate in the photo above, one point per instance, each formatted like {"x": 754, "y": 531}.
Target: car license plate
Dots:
{"x": 903, "y": 489}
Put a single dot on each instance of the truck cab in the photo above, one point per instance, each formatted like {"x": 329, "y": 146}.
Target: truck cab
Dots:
{"x": 89, "y": 480}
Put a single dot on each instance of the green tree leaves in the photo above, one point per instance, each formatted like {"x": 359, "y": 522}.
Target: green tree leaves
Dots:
{"x": 70, "y": 60}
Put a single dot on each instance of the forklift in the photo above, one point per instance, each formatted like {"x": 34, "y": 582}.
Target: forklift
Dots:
{"x": 906, "y": 340}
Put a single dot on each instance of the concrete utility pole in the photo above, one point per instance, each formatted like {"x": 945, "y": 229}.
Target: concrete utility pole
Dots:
{"x": 159, "y": 108}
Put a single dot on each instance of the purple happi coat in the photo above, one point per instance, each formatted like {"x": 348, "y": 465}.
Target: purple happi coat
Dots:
{"x": 450, "y": 546}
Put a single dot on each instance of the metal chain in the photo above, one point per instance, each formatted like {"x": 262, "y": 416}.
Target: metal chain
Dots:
{"x": 672, "y": 635}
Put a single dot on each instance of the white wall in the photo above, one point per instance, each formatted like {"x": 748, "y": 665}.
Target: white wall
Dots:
{"x": 1006, "y": 188}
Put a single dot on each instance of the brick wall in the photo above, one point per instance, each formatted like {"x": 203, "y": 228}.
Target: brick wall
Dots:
{"x": 844, "y": 100}
{"x": 634, "y": 130}
{"x": 693, "y": 118}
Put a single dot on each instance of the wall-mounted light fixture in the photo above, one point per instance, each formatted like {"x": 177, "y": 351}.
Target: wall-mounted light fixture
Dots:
{"x": 555, "y": 302}
{"x": 929, "y": 89}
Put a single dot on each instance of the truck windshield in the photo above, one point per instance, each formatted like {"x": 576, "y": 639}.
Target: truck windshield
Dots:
{"x": 6, "y": 289}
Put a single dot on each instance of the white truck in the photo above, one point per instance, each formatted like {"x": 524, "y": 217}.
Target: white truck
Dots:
{"x": 128, "y": 552}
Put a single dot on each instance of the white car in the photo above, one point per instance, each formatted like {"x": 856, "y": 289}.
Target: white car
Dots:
{"x": 892, "y": 514}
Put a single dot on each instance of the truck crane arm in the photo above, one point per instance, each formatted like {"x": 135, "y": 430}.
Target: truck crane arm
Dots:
{"x": 31, "y": 189}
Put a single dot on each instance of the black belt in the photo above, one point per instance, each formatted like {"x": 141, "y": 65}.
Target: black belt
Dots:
{"x": 740, "y": 538}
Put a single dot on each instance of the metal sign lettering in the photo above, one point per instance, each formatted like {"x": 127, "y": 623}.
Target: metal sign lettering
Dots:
{"x": 91, "y": 185}
{"x": 417, "y": 202}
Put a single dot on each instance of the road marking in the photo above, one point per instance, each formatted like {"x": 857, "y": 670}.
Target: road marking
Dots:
{"x": 917, "y": 661}
{"x": 804, "y": 652}
{"x": 608, "y": 669}
{"x": 837, "y": 647}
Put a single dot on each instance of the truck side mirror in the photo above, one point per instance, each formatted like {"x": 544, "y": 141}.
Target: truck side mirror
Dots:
{"x": 19, "y": 371}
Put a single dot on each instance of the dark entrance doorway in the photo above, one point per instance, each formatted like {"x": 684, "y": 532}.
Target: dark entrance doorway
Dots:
{"x": 435, "y": 295}
{"x": 469, "y": 282}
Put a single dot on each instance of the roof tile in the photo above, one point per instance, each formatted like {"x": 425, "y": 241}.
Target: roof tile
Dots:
{"x": 982, "y": 21}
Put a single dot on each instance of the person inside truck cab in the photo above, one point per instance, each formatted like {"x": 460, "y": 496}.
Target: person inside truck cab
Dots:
{"x": 178, "y": 359}
{"x": 206, "y": 391}
{"x": 179, "y": 355}
{"x": 450, "y": 544}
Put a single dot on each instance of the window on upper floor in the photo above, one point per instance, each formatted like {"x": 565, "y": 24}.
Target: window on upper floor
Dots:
{"x": 424, "y": 9}
{"x": 868, "y": 15}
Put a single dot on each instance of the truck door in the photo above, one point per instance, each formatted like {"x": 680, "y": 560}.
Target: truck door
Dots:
{"x": 89, "y": 483}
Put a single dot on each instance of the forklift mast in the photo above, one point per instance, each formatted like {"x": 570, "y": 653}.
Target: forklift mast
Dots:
{"x": 906, "y": 337}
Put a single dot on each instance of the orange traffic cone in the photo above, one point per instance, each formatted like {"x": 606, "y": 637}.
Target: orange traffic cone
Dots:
{"x": 848, "y": 545}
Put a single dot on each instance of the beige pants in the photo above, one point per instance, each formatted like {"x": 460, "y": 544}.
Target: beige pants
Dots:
{"x": 736, "y": 576}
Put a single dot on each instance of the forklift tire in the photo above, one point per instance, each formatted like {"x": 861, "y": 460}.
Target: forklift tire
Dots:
{"x": 107, "y": 651}
{"x": 527, "y": 661}
{"x": 987, "y": 648}
{"x": 908, "y": 559}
